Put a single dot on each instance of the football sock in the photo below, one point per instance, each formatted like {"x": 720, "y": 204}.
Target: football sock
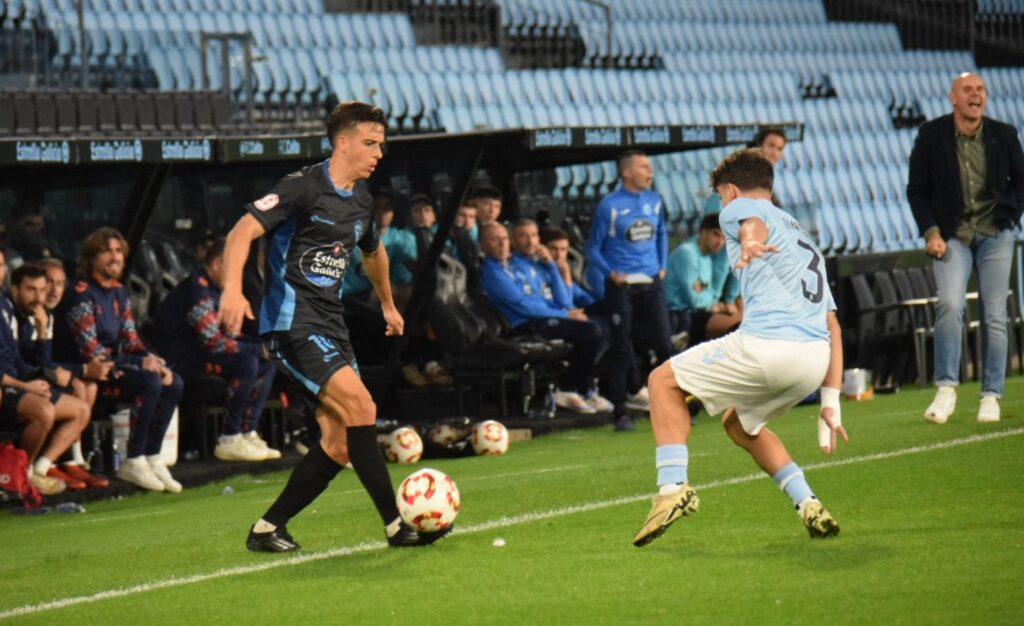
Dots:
{"x": 308, "y": 480}
{"x": 671, "y": 461}
{"x": 372, "y": 471}
{"x": 791, "y": 480}
{"x": 263, "y": 526}
{"x": 42, "y": 465}
{"x": 76, "y": 454}
{"x": 393, "y": 527}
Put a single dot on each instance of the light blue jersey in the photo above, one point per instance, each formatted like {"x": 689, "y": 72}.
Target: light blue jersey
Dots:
{"x": 785, "y": 293}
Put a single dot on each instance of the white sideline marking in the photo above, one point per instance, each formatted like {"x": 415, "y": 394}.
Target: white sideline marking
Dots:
{"x": 501, "y": 522}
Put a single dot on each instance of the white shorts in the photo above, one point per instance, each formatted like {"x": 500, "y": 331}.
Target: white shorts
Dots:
{"x": 760, "y": 378}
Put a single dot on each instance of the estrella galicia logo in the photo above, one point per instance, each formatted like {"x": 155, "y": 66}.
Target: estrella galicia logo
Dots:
{"x": 640, "y": 230}
{"x": 324, "y": 266}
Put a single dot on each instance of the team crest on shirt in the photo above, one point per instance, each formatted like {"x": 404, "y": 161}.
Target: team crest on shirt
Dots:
{"x": 640, "y": 230}
{"x": 324, "y": 266}
{"x": 267, "y": 202}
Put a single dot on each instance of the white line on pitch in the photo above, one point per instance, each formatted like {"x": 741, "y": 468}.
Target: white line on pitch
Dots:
{"x": 501, "y": 522}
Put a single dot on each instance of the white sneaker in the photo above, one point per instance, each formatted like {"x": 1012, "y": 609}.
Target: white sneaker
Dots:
{"x": 600, "y": 404}
{"x": 256, "y": 441}
{"x": 573, "y": 401}
{"x": 237, "y": 448}
{"x": 163, "y": 474}
{"x": 988, "y": 412}
{"x": 640, "y": 401}
{"x": 942, "y": 406}
{"x": 138, "y": 472}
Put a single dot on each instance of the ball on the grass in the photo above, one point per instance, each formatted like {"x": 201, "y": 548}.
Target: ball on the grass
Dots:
{"x": 404, "y": 446}
{"x": 489, "y": 438}
{"x": 428, "y": 500}
{"x": 498, "y": 543}
{"x": 443, "y": 435}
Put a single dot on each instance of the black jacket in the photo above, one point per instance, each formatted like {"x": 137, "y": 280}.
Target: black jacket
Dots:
{"x": 934, "y": 189}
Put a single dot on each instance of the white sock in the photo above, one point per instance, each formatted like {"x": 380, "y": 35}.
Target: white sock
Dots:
{"x": 76, "y": 454}
{"x": 42, "y": 466}
{"x": 263, "y": 526}
{"x": 670, "y": 488}
{"x": 393, "y": 527}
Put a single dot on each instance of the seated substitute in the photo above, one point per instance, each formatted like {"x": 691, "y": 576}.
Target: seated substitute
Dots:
{"x": 33, "y": 331}
{"x": 518, "y": 292}
{"x": 695, "y": 284}
{"x": 788, "y": 345}
{"x": 49, "y": 420}
{"x": 96, "y": 320}
{"x": 189, "y": 336}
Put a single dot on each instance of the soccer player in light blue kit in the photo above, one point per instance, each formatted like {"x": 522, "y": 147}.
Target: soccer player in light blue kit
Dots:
{"x": 788, "y": 345}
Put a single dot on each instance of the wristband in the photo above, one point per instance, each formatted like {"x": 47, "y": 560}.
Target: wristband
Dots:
{"x": 829, "y": 400}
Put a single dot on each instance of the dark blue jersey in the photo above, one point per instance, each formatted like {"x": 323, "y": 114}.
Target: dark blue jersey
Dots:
{"x": 312, "y": 229}
{"x": 11, "y": 362}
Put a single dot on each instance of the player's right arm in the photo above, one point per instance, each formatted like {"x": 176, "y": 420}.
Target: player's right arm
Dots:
{"x": 234, "y": 308}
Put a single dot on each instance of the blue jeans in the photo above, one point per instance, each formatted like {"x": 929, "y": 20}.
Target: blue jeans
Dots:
{"x": 993, "y": 257}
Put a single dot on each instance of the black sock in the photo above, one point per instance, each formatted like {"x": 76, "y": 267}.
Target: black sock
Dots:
{"x": 308, "y": 480}
{"x": 369, "y": 465}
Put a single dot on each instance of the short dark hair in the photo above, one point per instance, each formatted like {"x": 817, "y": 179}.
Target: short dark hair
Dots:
{"x": 746, "y": 168}
{"x": 25, "y": 272}
{"x": 523, "y": 221}
{"x": 98, "y": 241}
{"x": 486, "y": 191}
{"x": 553, "y": 234}
{"x": 214, "y": 251}
{"x": 625, "y": 156}
{"x": 348, "y": 114}
{"x": 761, "y": 136}
{"x": 50, "y": 262}
{"x": 419, "y": 200}
{"x": 710, "y": 222}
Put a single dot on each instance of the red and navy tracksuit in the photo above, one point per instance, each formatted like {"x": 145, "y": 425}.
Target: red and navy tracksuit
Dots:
{"x": 94, "y": 320}
{"x": 190, "y": 338}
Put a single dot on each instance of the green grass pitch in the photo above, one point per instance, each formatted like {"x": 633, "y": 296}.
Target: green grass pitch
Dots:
{"x": 932, "y": 533}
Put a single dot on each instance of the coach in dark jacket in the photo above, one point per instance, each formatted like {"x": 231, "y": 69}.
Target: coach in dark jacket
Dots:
{"x": 966, "y": 191}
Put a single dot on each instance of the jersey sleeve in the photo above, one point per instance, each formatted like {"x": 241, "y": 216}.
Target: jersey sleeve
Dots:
{"x": 291, "y": 195}
{"x": 739, "y": 210}
{"x": 598, "y": 233}
{"x": 370, "y": 240}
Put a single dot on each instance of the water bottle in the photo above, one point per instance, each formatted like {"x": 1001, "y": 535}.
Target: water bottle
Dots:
{"x": 115, "y": 456}
{"x": 550, "y": 405}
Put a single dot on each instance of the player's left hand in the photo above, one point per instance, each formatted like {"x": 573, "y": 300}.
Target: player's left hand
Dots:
{"x": 830, "y": 421}
{"x": 753, "y": 249}
{"x": 394, "y": 321}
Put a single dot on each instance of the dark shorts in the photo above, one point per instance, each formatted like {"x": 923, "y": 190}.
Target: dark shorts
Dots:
{"x": 9, "y": 405}
{"x": 309, "y": 357}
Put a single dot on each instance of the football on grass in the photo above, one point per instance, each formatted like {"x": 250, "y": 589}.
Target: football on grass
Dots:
{"x": 404, "y": 446}
{"x": 490, "y": 438}
{"x": 428, "y": 500}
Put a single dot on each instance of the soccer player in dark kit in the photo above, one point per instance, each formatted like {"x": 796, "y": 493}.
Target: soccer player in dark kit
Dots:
{"x": 314, "y": 217}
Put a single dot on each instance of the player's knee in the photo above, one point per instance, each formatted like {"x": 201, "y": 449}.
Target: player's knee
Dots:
{"x": 45, "y": 414}
{"x": 660, "y": 378}
{"x": 950, "y": 303}
{"x": 364, "y": 411}
{"x": 150, "y": 383}
{"x": 337, "y": 450}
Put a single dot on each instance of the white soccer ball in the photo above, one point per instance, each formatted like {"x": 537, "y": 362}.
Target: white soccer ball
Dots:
{"x": 489, "y": 438}
{"x": 428, "y": 500}
{"x": 443, "y": 435}
{"x": 404, "y": 446}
